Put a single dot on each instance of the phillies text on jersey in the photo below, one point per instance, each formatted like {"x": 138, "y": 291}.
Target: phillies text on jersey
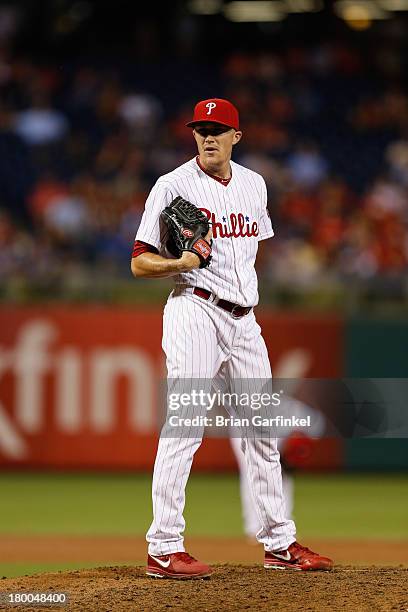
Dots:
{"x": 239, "y": 217}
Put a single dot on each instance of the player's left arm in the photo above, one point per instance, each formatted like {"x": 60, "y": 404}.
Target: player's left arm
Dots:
{"x": 265, "y": 223}
{"x": 265, "y": 229}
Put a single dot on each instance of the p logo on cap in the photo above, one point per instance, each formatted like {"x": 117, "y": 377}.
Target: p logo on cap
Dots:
{"x": 215, "y": 110}
{"x": 210, "y": 106}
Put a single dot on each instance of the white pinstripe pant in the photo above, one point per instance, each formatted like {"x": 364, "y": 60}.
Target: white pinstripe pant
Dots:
{"x": 201, "y": 341}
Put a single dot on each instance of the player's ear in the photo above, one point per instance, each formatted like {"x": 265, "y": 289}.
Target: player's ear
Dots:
{"x": 237, "y": 137}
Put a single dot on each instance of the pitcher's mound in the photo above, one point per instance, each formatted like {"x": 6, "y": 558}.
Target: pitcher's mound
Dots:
{"x": 232, "y": 587}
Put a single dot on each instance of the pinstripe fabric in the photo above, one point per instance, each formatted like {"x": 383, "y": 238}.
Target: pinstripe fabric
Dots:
{"x": 249, "y": 508}
{"x": 231, "y": 275}
{"x": 233, "y": 349}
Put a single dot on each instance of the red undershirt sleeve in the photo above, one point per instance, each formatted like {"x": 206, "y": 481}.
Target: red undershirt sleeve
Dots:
{"x": 140, "y": 247}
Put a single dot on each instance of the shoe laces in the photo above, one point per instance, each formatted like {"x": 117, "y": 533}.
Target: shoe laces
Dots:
{"x": 183, "y": 556}
{"x": 303, "y": 550}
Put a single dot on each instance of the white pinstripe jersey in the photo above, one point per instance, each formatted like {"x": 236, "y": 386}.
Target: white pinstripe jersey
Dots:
{"x": 239, "y": 217}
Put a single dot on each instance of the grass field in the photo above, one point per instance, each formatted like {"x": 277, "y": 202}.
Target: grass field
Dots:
{"x": 363, "y": 506}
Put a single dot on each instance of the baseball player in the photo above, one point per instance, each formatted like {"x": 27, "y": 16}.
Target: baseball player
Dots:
{"x": 209, "y": 327}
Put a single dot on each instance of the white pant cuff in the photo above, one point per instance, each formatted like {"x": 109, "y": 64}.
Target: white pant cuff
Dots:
{"x": 276, "y": 548}
{"x": 165, "y": 550}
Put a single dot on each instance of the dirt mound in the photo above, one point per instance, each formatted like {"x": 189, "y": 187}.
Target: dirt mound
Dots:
{"x": 232, "y": 587}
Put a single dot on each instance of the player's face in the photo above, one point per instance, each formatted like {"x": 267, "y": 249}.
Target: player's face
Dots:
{"x": 215, "y": 142}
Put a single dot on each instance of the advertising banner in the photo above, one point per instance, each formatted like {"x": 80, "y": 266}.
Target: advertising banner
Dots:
{"x": 80, "y": 387}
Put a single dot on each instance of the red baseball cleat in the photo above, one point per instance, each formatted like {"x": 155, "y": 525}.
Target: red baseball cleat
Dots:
{"x": 297, "y": 557}
{"x": 180, "y": 566}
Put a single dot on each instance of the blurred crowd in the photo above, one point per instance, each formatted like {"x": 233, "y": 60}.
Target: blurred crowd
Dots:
{"x": 81, "y": 146}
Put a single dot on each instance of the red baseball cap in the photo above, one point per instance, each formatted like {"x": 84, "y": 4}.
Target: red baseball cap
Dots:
{"x": 215, "y": 110}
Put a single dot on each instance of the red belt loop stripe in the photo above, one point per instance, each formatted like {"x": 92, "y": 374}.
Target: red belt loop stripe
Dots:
{"x": 236, "y": 310}
{"x": 202, "y": 293}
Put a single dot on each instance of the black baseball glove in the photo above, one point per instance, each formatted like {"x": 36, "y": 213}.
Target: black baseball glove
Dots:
{"x": 187, "y": 227}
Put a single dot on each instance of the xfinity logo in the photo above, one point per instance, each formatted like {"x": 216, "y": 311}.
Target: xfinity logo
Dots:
{"x": 79, "y": 387}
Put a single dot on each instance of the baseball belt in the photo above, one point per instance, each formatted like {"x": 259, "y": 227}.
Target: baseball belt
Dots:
{"x": 236, "y": 310}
